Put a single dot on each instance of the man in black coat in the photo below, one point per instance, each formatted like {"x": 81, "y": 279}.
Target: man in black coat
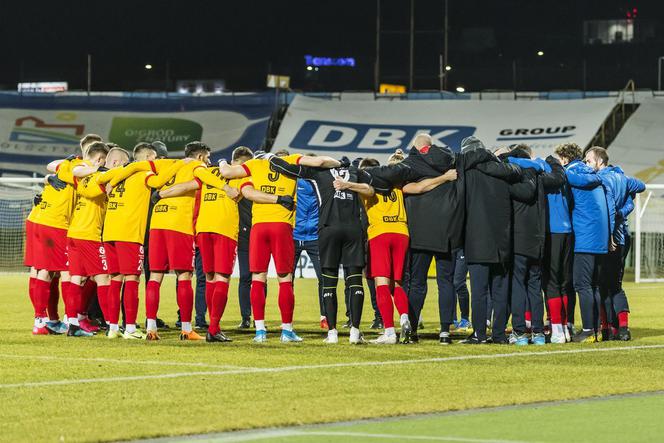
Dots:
{"x": 435, "y": 222}
{"x": 488, "y": 239}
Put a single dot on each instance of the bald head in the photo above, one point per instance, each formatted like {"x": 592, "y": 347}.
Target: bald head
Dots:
{"x": 422, "y": 140}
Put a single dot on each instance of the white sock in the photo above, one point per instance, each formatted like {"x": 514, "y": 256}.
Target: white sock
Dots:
{"x": 73, "y": 321}
{"x": 81, "y": 317}
{"x": 557, "y": 329}
{"x": 322, "y": 317}
{"x": 186, "y": 326}
{"x": 354, "y": 333}
{"x": 260, "y": 325}
{"x": 403, "y": 319}
{"x": 332, "y": 333}
{"x": 528, "y": 324}
{"x": 131, "y": 328}
{"x": 287, "y": 326}
{"x": 587, "y": 330}
{"x": 39, "y": 322}
{"x": 444, "y": 334}
{"x": 113, "y": 327}
{"x": 152, "y": 324}
{"x": 390, "y": 332}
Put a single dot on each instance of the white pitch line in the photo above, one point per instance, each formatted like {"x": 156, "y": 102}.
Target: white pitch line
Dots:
{"x": 324, "y": 366}
{"x": 277, "y": 433}
{"x": 122, "y": 361}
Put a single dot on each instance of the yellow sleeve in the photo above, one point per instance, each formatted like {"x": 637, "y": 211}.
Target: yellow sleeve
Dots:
{"x": 293, "y": 159}
{"x": 64, "y": 172}
{"x": 159, "y": 180}
{"x": 203, "y": 174}
{"x": 108, "y": 176}
{"x": 89, "y": 188}
{"x": 125, "y": 172}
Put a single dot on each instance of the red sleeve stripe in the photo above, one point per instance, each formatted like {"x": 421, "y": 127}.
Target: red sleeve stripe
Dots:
{"x": 152, "y": 166}
{"x": 246, "y": 184}
{"x": 103, "y": 189}
{"x": 246, "y": 169}
{"x": 297, "y": 162}
{"x": 198, "y": 180}
{"x": 75, "y": 182}
{"x": 146, "y": 179}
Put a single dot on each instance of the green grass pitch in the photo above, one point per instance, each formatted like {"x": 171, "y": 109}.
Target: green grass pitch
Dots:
{"x": 76, "y": 389}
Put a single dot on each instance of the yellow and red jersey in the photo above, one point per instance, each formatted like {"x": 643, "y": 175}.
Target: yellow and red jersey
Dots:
{"x": 127, "y": 209}
{"x": 386, "y": 214}
{"x": 217, "y": 212}
{"x": 177, "y": 213}
{"x": 87, "y": 220}
{"x": 265, "y": 179}
{"x": 55, "y": 209}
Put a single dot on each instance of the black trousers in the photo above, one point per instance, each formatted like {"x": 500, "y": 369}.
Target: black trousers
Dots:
{"x": 489, "y": 280}
{"x": 417, "y": 286}
{"x": 311, "y": 248}
{"x": 526, "y": 294}
{"x": 586, "y": 284}
{"x": 614, "y": 299}
{"x": 244, "y": 284}
{"x": 557, "y": 264}
{"x": 461, "y": 290}
{"x": 199, "y": 299}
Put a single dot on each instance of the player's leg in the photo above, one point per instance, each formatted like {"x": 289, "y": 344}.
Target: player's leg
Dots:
{"x": 206, "y": 248}
{"x": 356, "y": 288}
{"x": 461, "y": 290}
{"x": 330, "y": 302}
{"x": 418, "y": 271}
{"x": 159, "y": 265}
{"x": 259, "y": 259}
{"x": 244, "y": 285}
{"x": 223, "y": 266}
{"x": 499, "y": 284}
{"x": 283, "y": 251}
{"x": 445, "y": 280}
{"x": 311, "y": 247}
{"x": 536, "y": 302}
{"x": 380, "y": 269}
{"x": 479, "y": 290}
{"x": 518, "y": 300}
{"x": 584, "y": 268}
{"x": 399, "y": 253}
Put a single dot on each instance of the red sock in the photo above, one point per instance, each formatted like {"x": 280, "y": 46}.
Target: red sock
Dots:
{"x": 286, "y": 301}
{"x": 604, "y": 324}
{"x": 529, "y": 316}
{"x": 565, "y": 309}
{"x": 41, "y": 294}
{"x": 152, "y": 299}
{"x": 623, "y": 319}
{"x": 400, "y": 300}
{"x": 218, "y": 305}
{"x": 53, "y": 299}
{"x": 131, "y": 301}
{"x": 87, "y": 292}
{"x": 209, "y": 291}
{"x": 185, "y": 300}
{"x": 257, "y": 296}
{"x": 113, "y": 301}
{"x": 385, "y": 305}
{"x": 31, "y": 294}
{"x": 555, "y": 308}
{"x": 73, "y": 300}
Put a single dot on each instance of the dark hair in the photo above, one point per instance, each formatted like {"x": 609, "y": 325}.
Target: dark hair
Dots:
{"x": 368, "y": 162}
{"x": 282, "y": 153}
{"x": 600, "y": 153}
{"x": 570, "y": 151}
{"x": 96, "y": 148}
{"x": 241, "y": 152}
{"x": 141, "y": 147}
{"x": 524, "y": 147}
{"x": 193, "y": 149}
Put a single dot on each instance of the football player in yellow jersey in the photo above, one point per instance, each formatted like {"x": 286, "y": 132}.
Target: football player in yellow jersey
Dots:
{"x": 87, "y": 255}
{"x": 171, "y": 244}
{"x": 272, "y": 232}
{"x": 388, "y": 243}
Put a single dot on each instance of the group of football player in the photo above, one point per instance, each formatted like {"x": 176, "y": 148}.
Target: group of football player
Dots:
{"x": 526, "y": 227}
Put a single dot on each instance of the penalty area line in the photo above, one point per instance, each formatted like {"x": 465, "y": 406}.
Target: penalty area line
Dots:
{"x": 243, "y": 371}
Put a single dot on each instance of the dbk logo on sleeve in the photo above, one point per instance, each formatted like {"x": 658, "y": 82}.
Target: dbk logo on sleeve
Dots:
{"x": 318, "y": 135}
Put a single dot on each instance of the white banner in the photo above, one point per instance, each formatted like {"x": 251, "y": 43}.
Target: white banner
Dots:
{"x": 29, "y": 138}
{"x": 377, "y": 128}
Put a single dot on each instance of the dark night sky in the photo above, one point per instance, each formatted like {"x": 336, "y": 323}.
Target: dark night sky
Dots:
{"x": 240, "y": 41}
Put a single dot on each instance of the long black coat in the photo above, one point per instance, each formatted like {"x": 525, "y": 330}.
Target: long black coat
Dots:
{"x": 435, "y": 218}
{"x": 488, "y": 227}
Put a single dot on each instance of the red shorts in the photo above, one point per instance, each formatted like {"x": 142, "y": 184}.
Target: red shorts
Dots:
{"x": 124, "y": 258}
{"x": 30, "y": 241}
{"x": 86, "y": 257}
{"x": 387, "y": 255}
{"x": 217, "y": 252}
{"x": 49, "y": 250}
{"x": 274, "y": 239}
{"x": 170, "y": 250}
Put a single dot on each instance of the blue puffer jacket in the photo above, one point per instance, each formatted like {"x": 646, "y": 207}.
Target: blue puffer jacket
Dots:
{"x": 625, "y": 188}
{"x": 306, "y": 212}
{"x": 590, "y": 216}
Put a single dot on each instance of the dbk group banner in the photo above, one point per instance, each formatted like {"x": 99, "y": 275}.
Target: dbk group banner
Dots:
{"x": 377, "y": 128}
